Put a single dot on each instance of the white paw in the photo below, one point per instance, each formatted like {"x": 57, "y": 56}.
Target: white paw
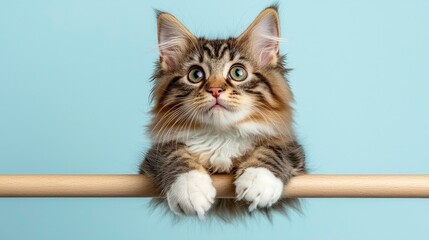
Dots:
{"x": 191, "y": 194}
{"x": 259, "y": 186}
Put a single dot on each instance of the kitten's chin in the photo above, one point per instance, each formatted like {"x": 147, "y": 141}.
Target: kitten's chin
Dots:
{"x": 221, "y": 116}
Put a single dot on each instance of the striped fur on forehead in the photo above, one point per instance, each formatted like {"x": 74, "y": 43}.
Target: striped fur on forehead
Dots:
{"x": 216, "y": 49}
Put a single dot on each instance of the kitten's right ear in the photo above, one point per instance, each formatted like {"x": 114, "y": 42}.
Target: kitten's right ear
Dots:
{"x": 173, "y": 40}
{"x": 262, "y": 37}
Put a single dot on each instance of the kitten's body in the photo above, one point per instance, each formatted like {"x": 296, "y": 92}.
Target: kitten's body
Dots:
{"x": 207, "y": 121}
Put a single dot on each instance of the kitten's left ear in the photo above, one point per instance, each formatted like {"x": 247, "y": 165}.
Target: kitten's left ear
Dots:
{"x": 262, "y": 37}
{"x": 173, "y": 40}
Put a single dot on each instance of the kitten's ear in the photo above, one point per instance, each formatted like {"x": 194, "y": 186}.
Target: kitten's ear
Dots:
{"x": 262, "y": 37}
{"x": 173, "y": 40}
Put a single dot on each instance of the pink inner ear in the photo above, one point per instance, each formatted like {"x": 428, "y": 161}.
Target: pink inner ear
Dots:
{"x": 266, "y": 58}
{"x": 267, "y": 50}
{"x": 169, "y": 61}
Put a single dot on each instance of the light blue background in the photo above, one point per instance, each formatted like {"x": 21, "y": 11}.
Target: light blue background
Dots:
{"x": 74, "y": 87}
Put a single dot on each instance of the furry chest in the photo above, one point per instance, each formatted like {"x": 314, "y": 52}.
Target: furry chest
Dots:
{"x": 216, "y": 152}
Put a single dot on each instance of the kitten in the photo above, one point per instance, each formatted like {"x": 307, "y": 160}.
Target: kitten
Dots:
{"x": 222, "y": 106}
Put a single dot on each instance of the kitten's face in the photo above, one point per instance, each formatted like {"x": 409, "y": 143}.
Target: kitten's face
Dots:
{"x": 203, "y": 83}
{"x": 217, "y": 85}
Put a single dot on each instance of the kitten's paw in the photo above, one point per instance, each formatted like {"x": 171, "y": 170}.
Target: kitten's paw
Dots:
{"x": 259, "y": 186}
{"x": 191, "y": 194}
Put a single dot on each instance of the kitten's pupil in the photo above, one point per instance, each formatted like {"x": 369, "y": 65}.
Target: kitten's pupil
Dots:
{"x": 197, "y": 74}
{"x": 238, "y": 72}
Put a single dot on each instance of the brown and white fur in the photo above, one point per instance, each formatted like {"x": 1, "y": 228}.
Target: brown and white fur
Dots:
{"x": 218, "y": 124}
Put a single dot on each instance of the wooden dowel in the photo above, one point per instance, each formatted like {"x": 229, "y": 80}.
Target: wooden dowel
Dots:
{"x": 305, "y": 186}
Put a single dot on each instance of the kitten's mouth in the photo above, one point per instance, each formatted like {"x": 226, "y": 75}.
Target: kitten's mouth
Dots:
{"x": 217, "y": 105}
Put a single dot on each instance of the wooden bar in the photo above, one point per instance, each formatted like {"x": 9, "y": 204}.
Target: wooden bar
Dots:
{"x": 305, "y": 186}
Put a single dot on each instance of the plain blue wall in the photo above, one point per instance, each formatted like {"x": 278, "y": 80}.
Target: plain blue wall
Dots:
{"x": 74, "y": 86}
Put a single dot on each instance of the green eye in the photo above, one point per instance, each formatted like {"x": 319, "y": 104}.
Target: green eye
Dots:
{"x": 196, "y": 75}
{"x": 238, "y": 73}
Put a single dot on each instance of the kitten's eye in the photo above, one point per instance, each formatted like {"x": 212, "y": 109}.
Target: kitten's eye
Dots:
{"x": 238, "y": 73}
{"x": 196, "y": 75}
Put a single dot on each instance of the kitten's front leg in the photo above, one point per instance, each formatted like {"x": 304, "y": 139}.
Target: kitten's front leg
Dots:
{"x": 261, "y": 177}
{"x": 185, "y": 183}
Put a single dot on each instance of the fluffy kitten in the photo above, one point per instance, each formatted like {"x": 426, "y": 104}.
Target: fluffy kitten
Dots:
{"x": 222, "y": 106}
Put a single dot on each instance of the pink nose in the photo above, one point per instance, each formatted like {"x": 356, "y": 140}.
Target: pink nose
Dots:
{"x": 215, "y": 91}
